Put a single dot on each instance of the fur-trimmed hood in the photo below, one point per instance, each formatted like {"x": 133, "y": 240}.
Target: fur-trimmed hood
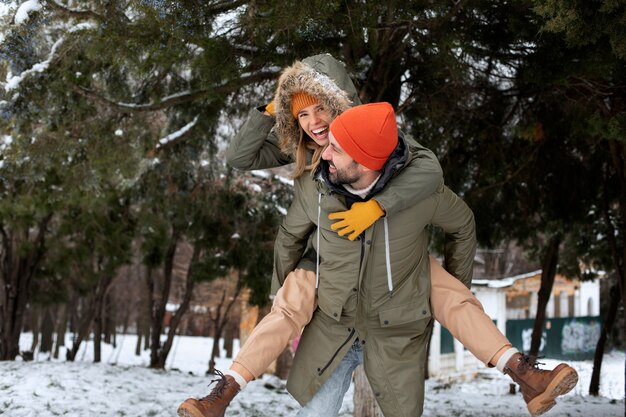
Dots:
{"x": 321, "y": 76}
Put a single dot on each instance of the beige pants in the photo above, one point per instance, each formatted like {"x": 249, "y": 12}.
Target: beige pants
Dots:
{"x": 453, "y": 305}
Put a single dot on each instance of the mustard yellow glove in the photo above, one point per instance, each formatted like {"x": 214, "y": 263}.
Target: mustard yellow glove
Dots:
{"x": 271, "y": 109}
{"x": 358, "y": 218}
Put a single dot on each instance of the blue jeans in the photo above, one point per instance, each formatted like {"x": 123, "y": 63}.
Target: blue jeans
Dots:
{"x": 327, "y": 401}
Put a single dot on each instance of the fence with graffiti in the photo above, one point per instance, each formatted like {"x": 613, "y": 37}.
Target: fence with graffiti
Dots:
{"x": 572, "y": 338}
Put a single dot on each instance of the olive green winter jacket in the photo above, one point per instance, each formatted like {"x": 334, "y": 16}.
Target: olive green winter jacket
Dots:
{"x": 387, "y": 309}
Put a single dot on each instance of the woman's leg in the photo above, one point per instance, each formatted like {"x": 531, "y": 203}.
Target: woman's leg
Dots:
{"x": 459, "y": 311}
{"x": 292, "y": 309}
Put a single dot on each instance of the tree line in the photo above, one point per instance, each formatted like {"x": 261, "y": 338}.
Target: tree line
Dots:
{"x": 114, "y": 113}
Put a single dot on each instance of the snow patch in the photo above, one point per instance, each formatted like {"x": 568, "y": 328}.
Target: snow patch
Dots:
{"x": 5, "y": 8}
{"x": 25, "y": 9}
{"x": 14, "y": 81}
{"x": 175, "y": 135}
{"x": 82, "y": 26}
{"x": 124, "y": 385}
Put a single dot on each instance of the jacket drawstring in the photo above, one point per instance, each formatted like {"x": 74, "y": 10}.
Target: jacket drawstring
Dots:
{"x": 388, "y": 258}
{"x": 317, "y": 252}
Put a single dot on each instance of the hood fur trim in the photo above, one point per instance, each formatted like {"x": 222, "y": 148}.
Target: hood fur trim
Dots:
{"x": 302, "y": 77}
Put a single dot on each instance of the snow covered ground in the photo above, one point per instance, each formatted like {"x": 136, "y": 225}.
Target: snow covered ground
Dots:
{"x": 123, "y": 386}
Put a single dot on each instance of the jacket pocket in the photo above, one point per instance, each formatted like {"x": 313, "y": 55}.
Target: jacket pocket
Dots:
{"x": 332, "y": 309}
{"x": 404, "y": 314}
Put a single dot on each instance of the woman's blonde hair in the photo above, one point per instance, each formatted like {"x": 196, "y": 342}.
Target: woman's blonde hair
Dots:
{"x": 303, "y": 152}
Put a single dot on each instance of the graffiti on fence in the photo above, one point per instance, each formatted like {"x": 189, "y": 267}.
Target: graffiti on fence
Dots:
{"x": 579, "y": 337}
{"x": 562, "y": 338}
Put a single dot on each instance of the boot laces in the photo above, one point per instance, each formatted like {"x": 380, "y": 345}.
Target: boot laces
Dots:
{"x": 219, "y": 389}
{"x": 528, "y": 362}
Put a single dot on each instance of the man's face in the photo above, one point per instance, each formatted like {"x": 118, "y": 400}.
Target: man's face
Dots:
{"x": 342, "y": 168}
{"x": 315, "y": 120}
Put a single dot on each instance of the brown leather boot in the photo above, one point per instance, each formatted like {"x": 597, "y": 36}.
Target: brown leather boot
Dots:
{"x": 540, "y": 387}
{"x": 214, "y": 404}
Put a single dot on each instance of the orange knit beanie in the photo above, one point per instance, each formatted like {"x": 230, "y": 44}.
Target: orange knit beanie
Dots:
{"x": 368, "y": 133}
{"x": 301, "y": 100}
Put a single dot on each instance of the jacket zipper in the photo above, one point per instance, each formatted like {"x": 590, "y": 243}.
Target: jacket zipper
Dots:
{"x": 332, "y": 358}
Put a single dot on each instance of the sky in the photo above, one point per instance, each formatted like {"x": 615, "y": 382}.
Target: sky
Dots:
{"x": 123, "y": 385}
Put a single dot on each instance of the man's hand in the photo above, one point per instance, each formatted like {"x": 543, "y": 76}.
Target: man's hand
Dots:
{"x": 357, "y": 219}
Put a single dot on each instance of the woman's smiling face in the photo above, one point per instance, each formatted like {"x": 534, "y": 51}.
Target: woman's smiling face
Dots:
{"x": 315, "y": 121}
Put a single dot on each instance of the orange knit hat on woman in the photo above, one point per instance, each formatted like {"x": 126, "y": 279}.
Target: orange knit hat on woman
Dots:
{"x": 301, "y": 100}
{"x": 368, "y": 133}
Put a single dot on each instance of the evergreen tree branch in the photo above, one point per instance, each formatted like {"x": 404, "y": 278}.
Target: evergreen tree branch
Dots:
{"x": 181, "y": 98}
{"x": 163, "y": 104}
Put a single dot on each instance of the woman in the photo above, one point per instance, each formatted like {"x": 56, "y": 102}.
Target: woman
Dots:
{"x": 294, "y": 128}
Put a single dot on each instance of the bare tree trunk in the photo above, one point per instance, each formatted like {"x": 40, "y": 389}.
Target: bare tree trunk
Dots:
{"x": 47, "y": 331}
{"x": 97, "y": 334}
{"x": 157, "y": 309}
{"x": 104, "y": 283}
{"x": 61, "y": 328}
{"x": 215, "y": 351}
{"x": 365, "y": 404}
{"x": 143, "y": 316}
{"x": 182, "y": 309}
{"x": 139, "y": 334}
{"x": 229, "y": 336}
{"x": 220, "y": 319}
{"x": 147, "y": 337}
{"x": 158, "y": 352}
{"x": 17, "y": 269}
{"x": 155, "y": 328}
{"x": 607, "y": 326}
{"x": 73, "y": 313}
{"x": 548, "y": 272}
{"x": 81, "y": 334}
{"x": 92, "y": 316}
{"x": 109, "y": 319}
{"x": 217, "y": 334}
{"x": 138, "y": 344}
{"x": 35, "y": 324}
